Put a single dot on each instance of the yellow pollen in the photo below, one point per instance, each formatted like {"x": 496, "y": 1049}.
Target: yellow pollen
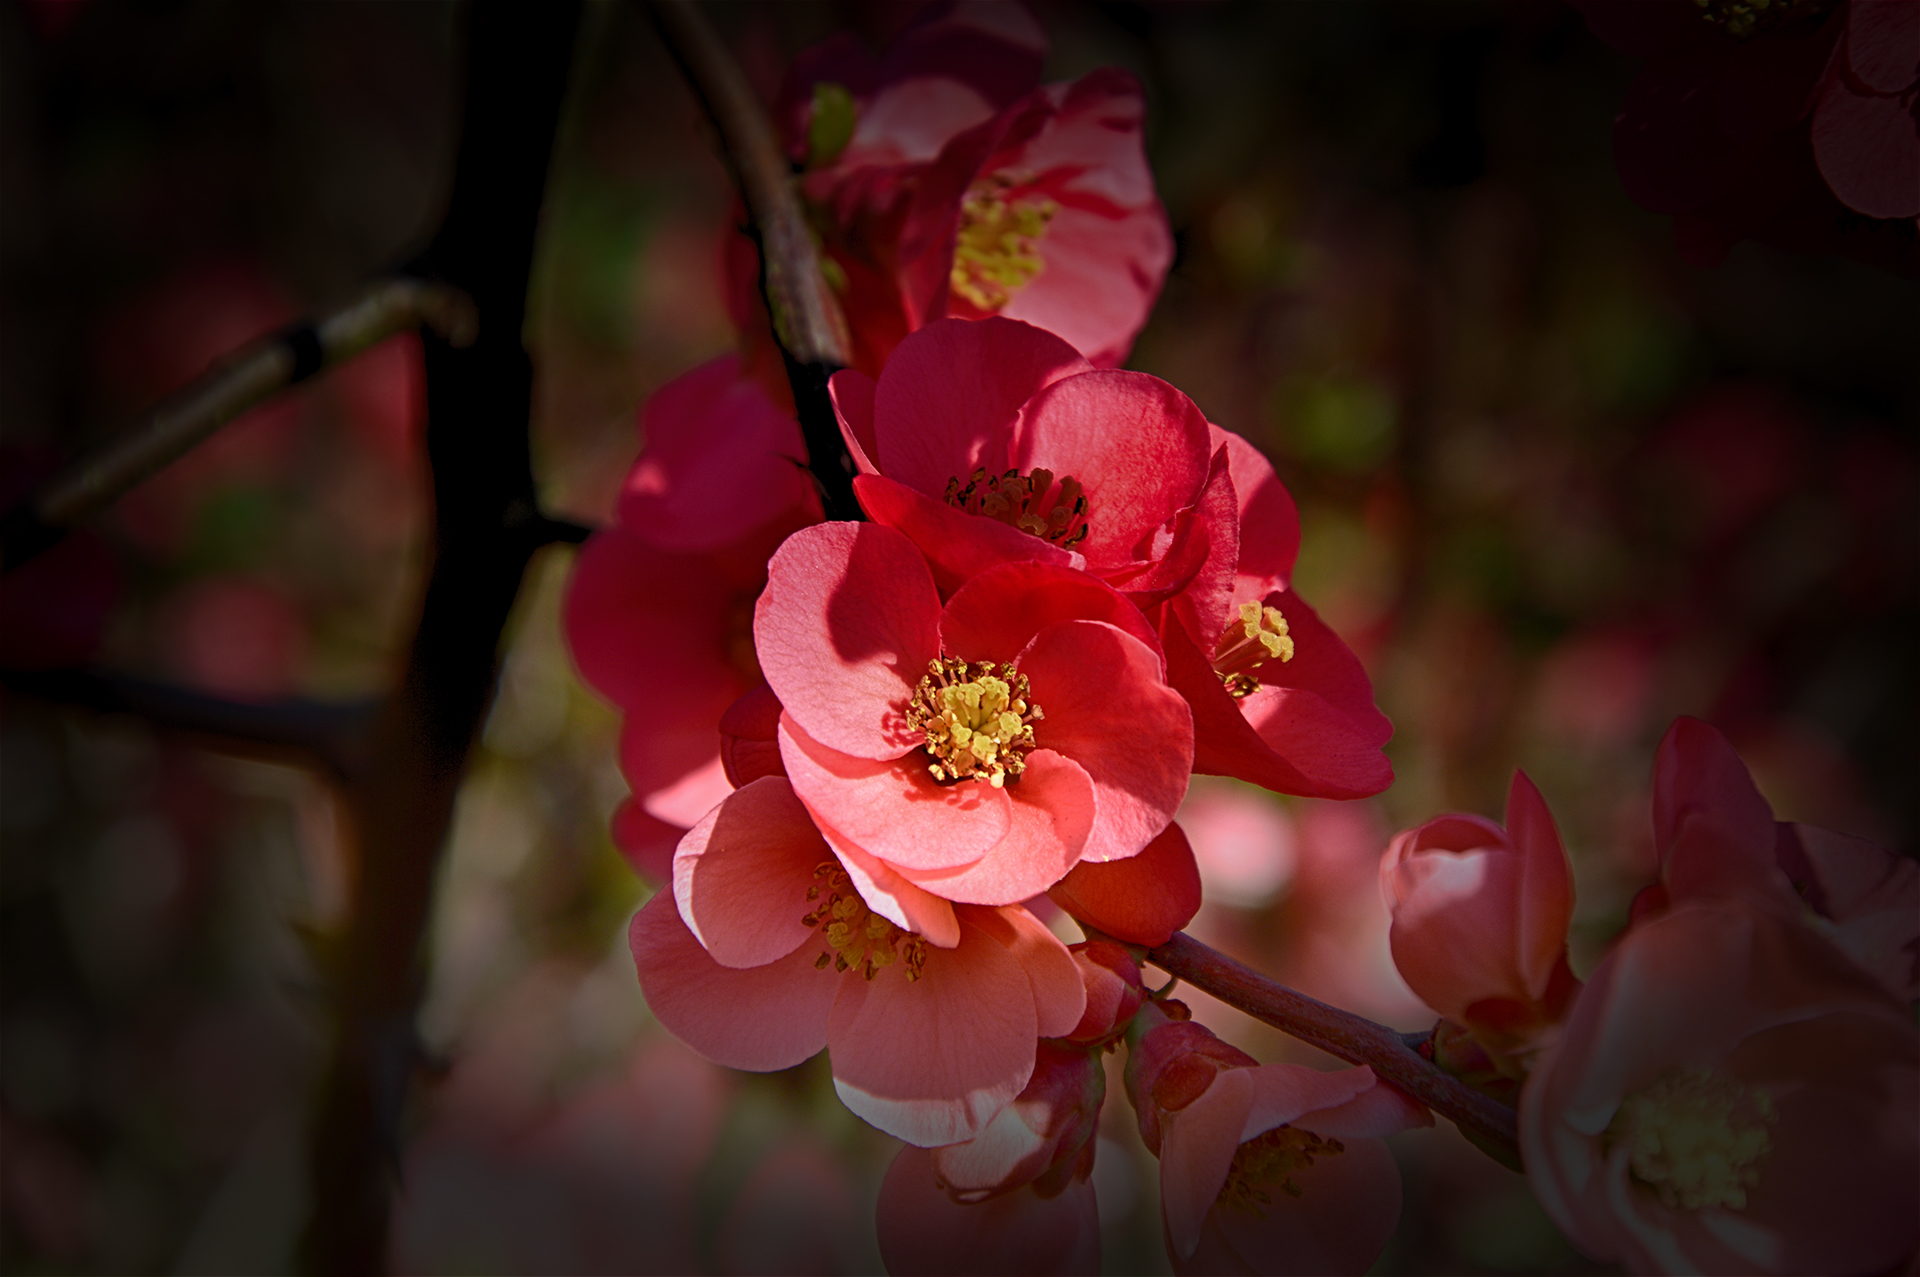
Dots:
{"x": 1030, "y": 502}
{"x": 1743, "y": 18}
{"x": 856, "y": 937}
{"x": 1695, "y": 1137}
{"x": 1259, "y": 636}
{"x": 994, "y": 256}
{"x": 1270, "y": 1161}
{"x": 976, "y": 719}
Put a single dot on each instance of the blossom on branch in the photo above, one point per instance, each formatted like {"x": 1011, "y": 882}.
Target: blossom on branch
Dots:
{"x": 1271, "y": 1168}
{"x": 766, "y": 950}
{"x": 971, "y": 751}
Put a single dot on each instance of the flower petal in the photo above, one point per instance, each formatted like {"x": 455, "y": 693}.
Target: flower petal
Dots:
{"x": 1197, "y": 1145}
{"x": 1546, "y": 891}
{"x": 1051, "y": 810}
{"x": 1347, "y": 1209}
{"x": 1284, "y": 1093}
{"x": 947, "y": 399}
{"x": 996, "y": 614}
{"x": 740, "y": 876}
{"x": 1059, "y": 992}
{"x": 760, "y": 1018}
{"x": 923, "y": 1231}
{"x": 1141, "y": 900}
{"x": 894, "y": 898}
{"x": 932, "y": 1060}
{"x": 894, "y": 810}
{"x": 957, "y": 544}
{"x": 852, "y": 394}
{"x": 844, "y": 632}
{"x": 1108, "y": 710}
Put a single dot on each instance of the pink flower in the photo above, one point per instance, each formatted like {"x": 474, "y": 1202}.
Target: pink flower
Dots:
{"x": 995, "y": 442}
{"x": 974, "y": 751}
{"x": 1114, "y": 991}
{"x": 769, "y": 947}
{"x": 1278, "y": 699}
{"x": 1265, "y": 1168}
{"x": 1781, "y": 123}
{"x": 943, "y": 187}
{"x": 659, "y": 611}
{"x": 1717, "y": 839}
{"x": 1730, "y": 1095}
{"x": 1480, "y": 919}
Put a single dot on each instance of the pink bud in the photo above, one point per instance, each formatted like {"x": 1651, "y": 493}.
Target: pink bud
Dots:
{"x": 1039, "y": 1139}
{"x": 749, "y": 748}
{"x": 1143, "y": 899}
{"x": 1114, "y": 991}
{"x": 1480, "y": 920}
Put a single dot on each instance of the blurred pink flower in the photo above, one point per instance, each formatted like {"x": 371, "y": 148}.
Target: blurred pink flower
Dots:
{"x": 236, "y": 636}
{"x": 659, "y": 610}
{"x": 769, "y": 948}
{"x": 1480, "y": 919}
{"x": 974, "y": 751}
{"x": 995, "y": 442}
{"x": 1271, "y": 1168}
{"x": 1717, "y": 839}
{"x": 1243, "y": 841}
{"x": 1730, "y": 1095}
{"x": 924, "y": 1231}
{"x": 1790, "y": 124}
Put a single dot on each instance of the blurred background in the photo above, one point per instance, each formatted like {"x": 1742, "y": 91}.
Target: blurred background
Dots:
{"x": 1557, "y": 486}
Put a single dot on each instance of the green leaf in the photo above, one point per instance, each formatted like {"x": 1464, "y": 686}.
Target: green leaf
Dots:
{"x": 832, "y": 125}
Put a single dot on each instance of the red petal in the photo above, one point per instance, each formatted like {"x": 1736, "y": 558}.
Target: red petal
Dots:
{"x": 996, "y": 614}
{"x": 1059, "y": 994}
{"x": 1868, "y": 149}
{"x": 740, "y": 876}
{"x": 1883, "y": 44}
{"x": 852, "y": 393}
{"x": 957, "y": 544}
{"x": 1050, "y": 812}
{"x": 1141, "y": 900}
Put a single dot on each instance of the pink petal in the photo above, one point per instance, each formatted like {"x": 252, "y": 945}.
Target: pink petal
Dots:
{"x": 1207, "y": 591}
{"x": 1108, "y": 711}
{"x": 996, "y": 614}
{"x": 1883, "y": 44}
{"x": 923, "y": 1231}
{"x": 1546, "y": 891}
{"x": 1197, "y": 1145}
{"x": 762, "y": 1018}
{"x": 894, "y": 810}
{"x": 647, "y": 844}
{"x": 1141, "y": 900}
{"x": 673, "y": 765}
{"x": 1051, "y": 810}
{"x": 997, "y": 49}
{"x": 1872, "y": 896}
{"x": 1324, "y": 665}
{"x": 1868, "y": 149}
{"x": 720, "y": 460}
{"x": 852, "y": 392}
{"x": 957, "y": 544}
{"x": 890, "y": 895}
{"x": 689, "y": 798}
{"x": 931, "y": 1061}
{"x": 749, "y": 742}
{"x": 1712, "y": 828}
{"x": 844, "y": 632}
{"x": 1379, "y": 1110}
{"x": 948, "y": 397}
{"x": 1059, "y": 993}
{"x": 1453, "y": 931}
{"x": 1138, "y": 446}
{"x": 1292, "y": 1093}
{"x": 740, "y": 876}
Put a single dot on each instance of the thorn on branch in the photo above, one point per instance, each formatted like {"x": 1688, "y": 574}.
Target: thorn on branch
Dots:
{"x": 237, "y": 383}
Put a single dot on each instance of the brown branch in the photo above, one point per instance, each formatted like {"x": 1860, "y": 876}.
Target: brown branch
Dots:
{"x": 332, "y": 735}
{"x": 1352, "y": 1038}
{"x": 807, "y": 321}
{"x": 237, "y": 383}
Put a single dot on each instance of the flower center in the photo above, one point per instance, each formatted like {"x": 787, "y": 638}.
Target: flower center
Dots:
{"x": 1695, "y": 1137}
{"x": 1031, "y": 502}
{"x": 1270, "y": 1161}
{"x": 856, "y": 937}
{"x": 1742, "y": 18}
{"x": 1259, "y": 636}
{"x": 977, "y": 720}
{"x": 994, "y": 256}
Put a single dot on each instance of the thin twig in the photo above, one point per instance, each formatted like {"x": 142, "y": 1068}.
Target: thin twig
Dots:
{"x": 1352, "y": 1038}
{"x": 238, "y": 383}
{"x": 806, "y": 316}
{"x": 332, "y": 734}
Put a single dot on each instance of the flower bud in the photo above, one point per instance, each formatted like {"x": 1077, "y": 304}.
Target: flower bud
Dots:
{"x": 1114, "y": 991}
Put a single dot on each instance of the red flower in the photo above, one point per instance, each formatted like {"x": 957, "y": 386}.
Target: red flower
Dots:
{"x": 769, "y": 948}
{"x": 659, "y": 610}
{"x": 972, "y": 751}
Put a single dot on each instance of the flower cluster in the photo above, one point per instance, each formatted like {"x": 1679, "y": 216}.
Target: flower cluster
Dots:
{"x": 1733, "y": 1088}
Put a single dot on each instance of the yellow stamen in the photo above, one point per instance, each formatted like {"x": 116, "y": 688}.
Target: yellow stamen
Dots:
{"x": 976, "y": 720}
{"x": 856, "y": 937}
{"x": 1270, "y": 1161}
{"x": 1026, "y": 501}
{"x": 994, "y": 256}
{"x": 1696, "y": 1137}
{"x": 1259, "y": 636}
